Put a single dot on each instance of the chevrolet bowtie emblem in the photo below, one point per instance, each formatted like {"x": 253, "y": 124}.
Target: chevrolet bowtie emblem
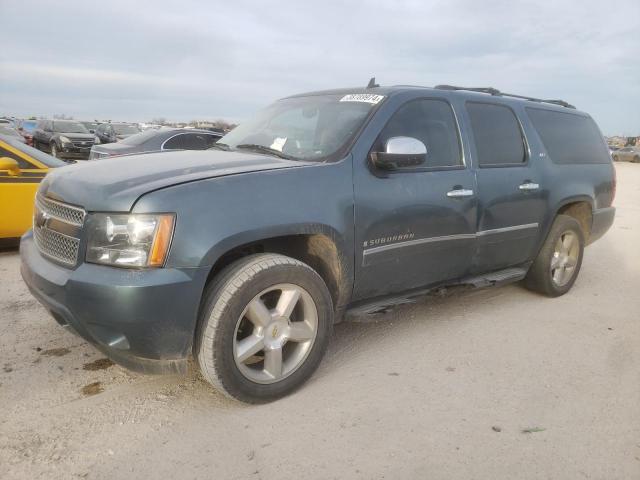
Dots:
{"x": 42, "y": 219}
{"x": 274, "y": 332}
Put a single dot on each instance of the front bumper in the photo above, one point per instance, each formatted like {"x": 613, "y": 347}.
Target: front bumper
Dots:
{"x": 142, "y": 319}
{"x": 76, "y": 153}
{"x": 602, "y": 220}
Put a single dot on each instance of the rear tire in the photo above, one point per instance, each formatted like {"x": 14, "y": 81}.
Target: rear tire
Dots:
{"x": 264, "y": 326}
{"x": 636, "y": 159}
{"x": 556, "y": 267}
{"x": 615, "y": 158}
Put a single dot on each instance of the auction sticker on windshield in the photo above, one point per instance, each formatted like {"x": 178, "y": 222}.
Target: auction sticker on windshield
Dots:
{"x": 362, "y": 97}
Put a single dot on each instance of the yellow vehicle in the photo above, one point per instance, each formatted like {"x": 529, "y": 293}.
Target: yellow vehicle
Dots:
{"x": 22, "y": 168}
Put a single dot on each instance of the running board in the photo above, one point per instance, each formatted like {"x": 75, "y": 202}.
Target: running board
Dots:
{"x": 491, "y": 279}
{"x": 498, "y": 278}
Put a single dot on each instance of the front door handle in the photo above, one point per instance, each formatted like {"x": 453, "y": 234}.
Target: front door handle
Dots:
{"x": 459, "y": 193}
{"x": 528, "y": 186}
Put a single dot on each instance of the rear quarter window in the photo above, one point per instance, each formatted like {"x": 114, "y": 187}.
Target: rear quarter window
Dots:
{"x": 569, "y": 138}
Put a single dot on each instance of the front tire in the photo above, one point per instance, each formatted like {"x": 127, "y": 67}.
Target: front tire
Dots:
{"x": 555, "y": 269}
{"x": 264, "y": 327}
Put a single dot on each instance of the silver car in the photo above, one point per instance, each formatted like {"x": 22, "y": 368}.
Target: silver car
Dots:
{"x": 627, "y": 154}
{"x": 157, "y": 140}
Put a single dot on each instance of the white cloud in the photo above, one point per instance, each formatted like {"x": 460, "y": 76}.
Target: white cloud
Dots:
{"x": 213, "y": 59}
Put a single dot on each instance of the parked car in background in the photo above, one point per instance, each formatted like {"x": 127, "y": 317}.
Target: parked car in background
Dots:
{"x": 26, "y": 128}
{"x": 157, "y": 140}
{"x": 114, "y": 132}
{"x": 91, "y": 126}
{"x": 627, "y": 154}
{"x": 245, "y": 255}
{"x": 65, "y": 139}
{"x": 22, "y": 168}
{"x": 8, "y": 131}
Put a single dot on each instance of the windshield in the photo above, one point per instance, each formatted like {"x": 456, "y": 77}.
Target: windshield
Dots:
{"x": 90, "y": 125}
{"x": 69, "y": 127}
{"x": 125, "y": 129}
{"x": 305, "y": 128}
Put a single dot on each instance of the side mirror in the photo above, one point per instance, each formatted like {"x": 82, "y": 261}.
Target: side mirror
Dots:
{"x": 91, "y": 130}
{"x": 10, "y": 165}
{"x": 400, "y": 152}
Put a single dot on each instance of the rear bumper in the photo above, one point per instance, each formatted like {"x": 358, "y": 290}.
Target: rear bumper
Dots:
{"x": 602, "y": 220}
{"x": 142, "y": 319}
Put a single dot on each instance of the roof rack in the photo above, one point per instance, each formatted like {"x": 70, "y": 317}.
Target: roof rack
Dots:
{"x": 498, "y": 93}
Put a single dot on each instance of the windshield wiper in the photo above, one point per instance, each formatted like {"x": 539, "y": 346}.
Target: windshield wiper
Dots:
{"x": 262, "y": 149}
{"x": 220, "y": 146}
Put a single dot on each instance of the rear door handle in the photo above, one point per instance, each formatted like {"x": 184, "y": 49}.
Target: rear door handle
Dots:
{"x": 529, "y": 186}
{"x": 462, "y": 192}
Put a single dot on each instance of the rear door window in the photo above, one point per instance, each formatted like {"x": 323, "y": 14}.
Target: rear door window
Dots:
{"x": 497, "y": 134}
{"x": 569, "y": 138}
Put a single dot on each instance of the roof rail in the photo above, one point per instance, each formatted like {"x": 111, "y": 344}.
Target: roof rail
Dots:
{"x": 498, "y": 93}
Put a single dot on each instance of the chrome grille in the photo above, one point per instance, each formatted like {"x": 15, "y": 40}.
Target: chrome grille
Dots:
{"x": 61, "y": 211}
{"x": 52, "y": 216}
{"x": 56, "y": 245}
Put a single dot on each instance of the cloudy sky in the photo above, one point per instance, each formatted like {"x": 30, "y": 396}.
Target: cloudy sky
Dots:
{"x": 185, "y": 60}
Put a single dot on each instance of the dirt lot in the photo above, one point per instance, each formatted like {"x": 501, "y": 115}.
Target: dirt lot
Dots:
{"x": 498, "y": 383}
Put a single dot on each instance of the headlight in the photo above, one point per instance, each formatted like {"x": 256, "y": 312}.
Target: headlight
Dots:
{"x": 137, "y": 240}
{"x": 64, "y": 139}
{"x": 96, "y": 140}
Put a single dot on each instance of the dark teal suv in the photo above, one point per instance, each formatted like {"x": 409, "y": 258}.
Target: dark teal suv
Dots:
{"x": 244, "y": 256}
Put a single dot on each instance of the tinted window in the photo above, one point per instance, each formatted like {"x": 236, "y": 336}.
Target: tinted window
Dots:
{"x": 198, "y": 141}
{"x": 191, "y": 141}
{"x": 174, "y": 143}
{"x": 432, "y": 122}
{"x": 69, "y": 127}
{"x": 496, "y": 133}
{"x": 569, "y": 138}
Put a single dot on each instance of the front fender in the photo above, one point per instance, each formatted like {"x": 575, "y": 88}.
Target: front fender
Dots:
{"x": 216, "y": 215}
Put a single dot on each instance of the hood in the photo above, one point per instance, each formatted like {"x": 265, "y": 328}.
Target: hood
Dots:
{"x": 122, "y": 136}
{"x": 115, "y": 184}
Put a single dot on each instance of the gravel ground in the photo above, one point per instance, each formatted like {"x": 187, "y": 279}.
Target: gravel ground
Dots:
{"x": 493, "y": 384}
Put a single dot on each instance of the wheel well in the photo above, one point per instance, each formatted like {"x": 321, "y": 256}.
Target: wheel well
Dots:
{"x": 581, "y": 211}
{"x": 318, "y": 251}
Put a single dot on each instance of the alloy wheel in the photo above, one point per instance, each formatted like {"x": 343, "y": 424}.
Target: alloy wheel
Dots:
{"x": 275, "y": 333}
{"x": 565, "y": 258}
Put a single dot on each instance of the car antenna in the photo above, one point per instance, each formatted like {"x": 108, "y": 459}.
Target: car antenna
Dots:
{"x": 372, "y": 83}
